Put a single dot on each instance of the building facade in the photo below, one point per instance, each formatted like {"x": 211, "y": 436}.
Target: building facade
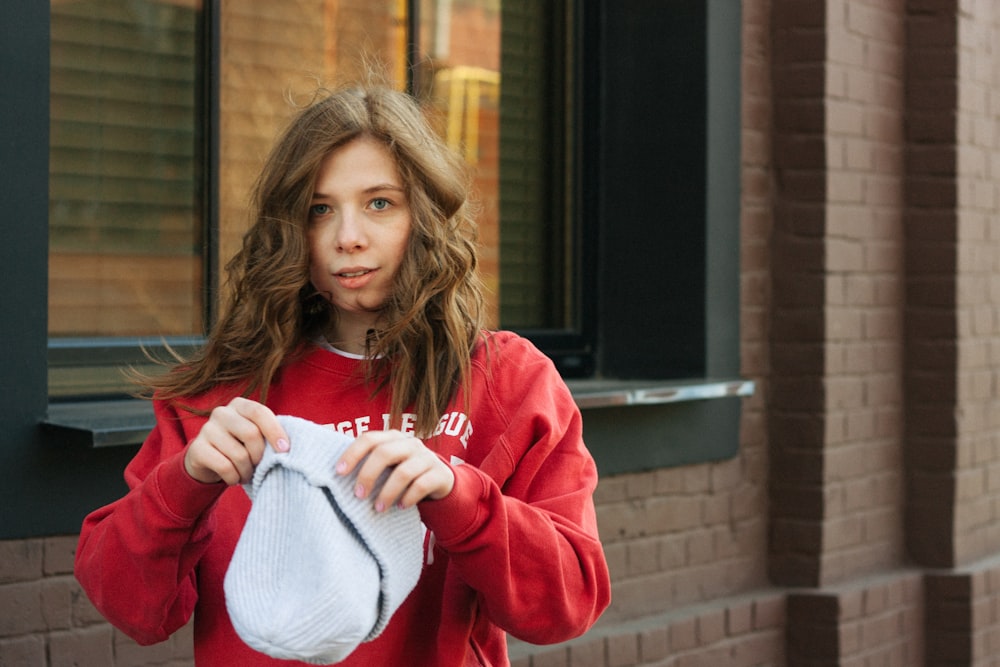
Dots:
{"x": 828, "y": 491}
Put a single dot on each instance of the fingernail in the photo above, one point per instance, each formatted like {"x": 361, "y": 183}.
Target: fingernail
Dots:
{"x": 380, "y": 506}
{"x": 342, "y": 467}
{"x": 359, "y": 491}
{"x": 282, "y": 445}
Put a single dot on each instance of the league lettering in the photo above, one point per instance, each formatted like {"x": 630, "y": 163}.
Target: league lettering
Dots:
{"x": 355, "y": 428}
{"x": 452, "y": 424}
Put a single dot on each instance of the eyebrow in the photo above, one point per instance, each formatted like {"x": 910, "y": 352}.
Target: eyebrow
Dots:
{"x": 375, "y": 188}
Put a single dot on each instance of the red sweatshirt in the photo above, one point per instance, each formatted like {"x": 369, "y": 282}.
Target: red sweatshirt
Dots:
{"x": 513, "y": 549}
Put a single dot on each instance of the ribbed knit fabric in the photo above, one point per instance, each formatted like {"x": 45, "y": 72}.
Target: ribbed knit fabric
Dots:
{"x": 317, "y": 571}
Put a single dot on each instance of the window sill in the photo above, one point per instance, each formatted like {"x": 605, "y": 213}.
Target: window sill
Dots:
{"x": 619, "y": 393}
{"x": 127, "y": 422}
{"x": 102, "y": 423}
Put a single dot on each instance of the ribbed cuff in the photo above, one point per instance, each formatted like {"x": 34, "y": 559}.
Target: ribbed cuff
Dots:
{"x": 180, "y": 493}
{"x": 456, "y": 515}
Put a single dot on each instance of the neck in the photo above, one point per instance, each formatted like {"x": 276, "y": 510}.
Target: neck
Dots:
{"x": 355, "y": 342}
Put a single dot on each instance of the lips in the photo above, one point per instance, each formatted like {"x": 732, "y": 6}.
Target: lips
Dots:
{"x": 354, "y": 277}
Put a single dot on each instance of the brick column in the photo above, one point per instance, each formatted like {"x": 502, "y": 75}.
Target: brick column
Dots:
{"x": 797, "y": 420}
{"x": 931, "y": 290}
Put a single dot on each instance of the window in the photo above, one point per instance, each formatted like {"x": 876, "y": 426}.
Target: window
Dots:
{"x": 604, "y": 137}
{"x": 127, "y": 216}
{"x": 143, "y": 210}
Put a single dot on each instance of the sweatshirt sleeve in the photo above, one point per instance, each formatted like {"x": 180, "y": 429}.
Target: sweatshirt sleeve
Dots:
{"x": 530, "y": 549}
{"x": 136, "y": 557}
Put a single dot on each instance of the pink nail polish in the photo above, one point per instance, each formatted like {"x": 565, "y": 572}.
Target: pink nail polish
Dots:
{"x": 380, "y": 506}
{"x": 359, "y": 491}
{"x": 342, "y": 467}
{"x": 282, "y": 445}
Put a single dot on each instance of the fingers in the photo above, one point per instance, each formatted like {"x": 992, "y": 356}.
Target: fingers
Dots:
{"x": 262, "y": 422}
{"x": 414, "y": 471}
{"x": 231, "y": 444}
{"x": 232, "y": 441}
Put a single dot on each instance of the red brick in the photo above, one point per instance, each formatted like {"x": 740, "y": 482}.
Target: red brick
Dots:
{"x": 83, "y": 613}
{"x": 623, "y": 650}
{"x": 683, "y": 635}
{"x": 654, "y": 644}
{"x": 616, "y": 556}
{"x": 769, "y": 613}
{"x": 672, "y": 553}
{"x": 27, "y": 651}
{"x": 86, "y": 646}
{"x": 21, "y": 609}
{"x": 759, "y": 650}
{"x": 130, "y": 653}
{"x": 711, "y": 626}
{"x": 707, "y": 657}
{"x": 643, "y": 557}
{"x": 588, "y": 654}
{"x": 700, "y": 547}
{"x": 639, "y": 486}
{"x": 803, "y": 80}
{"x": 739, "y": 619}
{"x": 59, "y": 554}
{"x": 20, "y": 560}
{"x": 642, "y": 595}
{"x": 57, "y": 602}
{"x": 550, "y": 657}
{"x": 664, "y": 515}
{"x": 715, "y": 508}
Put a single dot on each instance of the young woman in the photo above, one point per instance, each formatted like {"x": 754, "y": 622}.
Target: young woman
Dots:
{"x": 354, "y": 302}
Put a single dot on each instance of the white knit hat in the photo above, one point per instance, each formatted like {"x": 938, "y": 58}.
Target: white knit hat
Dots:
{"x": 317, "y": 571}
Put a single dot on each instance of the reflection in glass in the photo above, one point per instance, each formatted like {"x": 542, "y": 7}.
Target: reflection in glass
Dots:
{"x": 125, "y": 223}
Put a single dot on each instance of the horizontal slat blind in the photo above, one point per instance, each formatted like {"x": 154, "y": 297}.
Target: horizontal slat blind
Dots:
{"x": 531, "y": 206}
{"x": 123, "y": 119}
{"x": 124, "y": 213}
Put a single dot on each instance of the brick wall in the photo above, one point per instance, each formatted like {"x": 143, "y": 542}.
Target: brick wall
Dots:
{"x": 742, "y": 631}
{"x": 796, "y": 418}
{"x": 47, "y": 621}
{"x": 961, "y": 607}
{"x": 977, "y": 190}
{"x": 873, "y": 621}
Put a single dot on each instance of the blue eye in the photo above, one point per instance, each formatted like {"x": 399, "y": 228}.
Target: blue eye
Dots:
{"x": 319, "y": 210}
{"x": 380, "y": 204}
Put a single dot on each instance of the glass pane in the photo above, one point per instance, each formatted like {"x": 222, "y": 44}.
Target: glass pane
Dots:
{"x": 125, "y": 172}
{"x": 125, "y": 223}
{"x": 276, "y": 51}
{"x": 535, "y": 237}
{"x": 458, "y": 70}
{"x": 495, "y": 70}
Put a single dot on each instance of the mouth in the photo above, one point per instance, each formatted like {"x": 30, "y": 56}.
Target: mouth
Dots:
{"x": 355, "y": 277}
{"x": 354, "y": 273}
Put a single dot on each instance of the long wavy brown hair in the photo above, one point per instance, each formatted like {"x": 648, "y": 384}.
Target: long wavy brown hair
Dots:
{"x": 433, "y": 319}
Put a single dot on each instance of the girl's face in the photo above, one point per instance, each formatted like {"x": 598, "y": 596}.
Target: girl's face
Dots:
{"x": 359, "y": 227}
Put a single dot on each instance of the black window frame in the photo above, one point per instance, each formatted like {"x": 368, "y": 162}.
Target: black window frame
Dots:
{"x": 46, "y": 485}
{"x": 122, "y": 351}
{"x": 666, "y": 277}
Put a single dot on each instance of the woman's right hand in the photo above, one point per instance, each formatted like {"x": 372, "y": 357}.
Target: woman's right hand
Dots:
{"x": 231, "y": 443}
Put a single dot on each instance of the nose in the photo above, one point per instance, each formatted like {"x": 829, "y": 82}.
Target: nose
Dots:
{"x": 351, "y": 234}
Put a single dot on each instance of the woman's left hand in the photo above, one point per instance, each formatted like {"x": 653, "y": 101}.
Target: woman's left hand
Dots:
{"x": 415, "y": 472}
